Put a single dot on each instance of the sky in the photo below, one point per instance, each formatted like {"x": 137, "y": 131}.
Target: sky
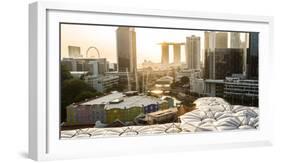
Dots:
{"x": 104, "y": 39}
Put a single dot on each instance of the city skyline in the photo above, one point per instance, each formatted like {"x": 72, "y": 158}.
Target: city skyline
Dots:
{"x": 147, "y": 41}
{"x": 106, "y": 84}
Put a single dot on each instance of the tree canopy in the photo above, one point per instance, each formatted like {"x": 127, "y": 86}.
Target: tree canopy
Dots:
{"x": 73, "y": 90}
{"x": 184, "y": 80}
{"x": 65, "y": 74}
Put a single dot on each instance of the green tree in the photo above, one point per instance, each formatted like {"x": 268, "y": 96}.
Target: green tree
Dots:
{"x": 84, "y": 95}
{"x": 184, "y": 80}
{"x": 73, "y": 90}
{"x": 73, "y": 87}
{"x": 188, "y": 101}
{"x": 65, "y": 74}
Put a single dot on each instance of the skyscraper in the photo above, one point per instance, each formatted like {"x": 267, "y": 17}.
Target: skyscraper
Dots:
{"x": 253, "y": 56}
{"x": 126, "y": 49}
{"x": 221, "y": 40}
{"x": 193, "y": 52}
{"x": 245, "y": 45}
{"x": 165, "y": 53}
{"x": 216, "y": 39}
{"x": 235, "y": 41}
{"x": 223, "y": 62}
{"x": 177, "y": 53}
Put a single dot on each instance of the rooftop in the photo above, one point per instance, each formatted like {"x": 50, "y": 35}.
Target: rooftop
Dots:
{"x": 212, "y": 114}
{"x": 161, "y": 113}
{"x": 165, "y": 78}
{"x": 214, "y": 81}
{"x": 119, "y": 100}
{"x": 135, "y": 101}
{"x": 105, "y": 99}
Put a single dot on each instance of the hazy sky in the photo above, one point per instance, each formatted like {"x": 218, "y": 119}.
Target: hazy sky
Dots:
{"x": 104, "y": 38}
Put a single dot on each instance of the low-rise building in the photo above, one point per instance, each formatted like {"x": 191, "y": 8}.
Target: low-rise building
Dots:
{"x": 164, "y": 82}
{"x": 214, "y": 88}
{"x": 190, "y": 73}
{"x": 241, "y": 90}
{"x": 129, "y": 107}
{"x": 91, "y": 111}
{"x": 78, "y": 74}
{"x": 102, "y": 83}
{"x": 197, "y": 85}
{"x": 170, "y": 100}
{"x": 112, "y": 107}
{"x": 162, "y": 85}
{"x": 95, "y": 66}
{"x": 162, "y": 116}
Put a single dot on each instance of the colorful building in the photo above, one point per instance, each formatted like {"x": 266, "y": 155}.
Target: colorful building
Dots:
{"x": 162, "y": 116}
{"x": 170, "y": 100}
{"x": 151, "y": 108}
{"x": 115, "y": 106}
{"x": 124, "y": 115}
{"x": 130, "y": 107}
{"x": 91, "y": 111}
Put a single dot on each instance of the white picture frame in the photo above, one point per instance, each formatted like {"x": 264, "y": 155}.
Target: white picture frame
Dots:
{"x": 44, "y": 141}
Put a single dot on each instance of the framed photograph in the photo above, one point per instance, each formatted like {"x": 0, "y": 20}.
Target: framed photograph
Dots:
{"x": 108, "y": 81}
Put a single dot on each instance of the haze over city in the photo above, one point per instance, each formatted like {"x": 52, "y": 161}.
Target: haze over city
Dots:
{"x": 107, "y": 85}
{"x": 104, "y": 38}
